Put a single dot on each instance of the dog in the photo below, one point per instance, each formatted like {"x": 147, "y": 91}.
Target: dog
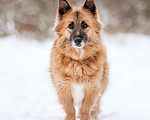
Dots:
{"x": 79, "y": 67}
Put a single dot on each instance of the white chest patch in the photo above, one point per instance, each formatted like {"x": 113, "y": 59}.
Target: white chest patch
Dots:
{"x": 78, "y": 94}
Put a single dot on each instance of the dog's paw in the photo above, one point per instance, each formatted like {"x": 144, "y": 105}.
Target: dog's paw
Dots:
{"x": 70, "y": 117}
{"x": 93, "y": 118}
{"x": 78, "y": 116}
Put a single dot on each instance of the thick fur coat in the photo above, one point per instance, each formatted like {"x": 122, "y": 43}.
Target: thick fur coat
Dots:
{"x": 80, "y": 75}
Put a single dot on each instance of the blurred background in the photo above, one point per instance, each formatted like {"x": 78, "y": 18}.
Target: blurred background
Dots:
{"x": 26, "y": 38}
{"x": 35, "y": 18}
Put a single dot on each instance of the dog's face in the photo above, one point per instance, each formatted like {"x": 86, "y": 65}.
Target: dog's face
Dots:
{"x": 78, "y": 32}
{"x": 77, "y": 27}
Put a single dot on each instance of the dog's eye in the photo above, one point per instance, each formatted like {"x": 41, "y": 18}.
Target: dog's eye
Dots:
{"x": 71, "y": 25}
{"x": 84, "y": 25}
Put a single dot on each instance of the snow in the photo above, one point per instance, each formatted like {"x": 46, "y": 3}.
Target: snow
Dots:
{"x": 27, "y": 93}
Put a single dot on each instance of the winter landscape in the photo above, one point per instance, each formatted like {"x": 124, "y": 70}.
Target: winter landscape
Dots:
{"x": 26, "y": 89}
{"x": 27, "y": 93}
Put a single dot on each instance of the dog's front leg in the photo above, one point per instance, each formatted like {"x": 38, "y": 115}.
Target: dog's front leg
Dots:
{"x": 66, "y": 100}
{"x": 91, "y": 94}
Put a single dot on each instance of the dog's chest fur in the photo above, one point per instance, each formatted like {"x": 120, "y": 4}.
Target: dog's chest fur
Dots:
{"x": 77, "y": 91}
{"x": 81, "y": 71}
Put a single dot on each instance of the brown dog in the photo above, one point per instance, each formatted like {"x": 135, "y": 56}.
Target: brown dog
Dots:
{"x": 78, "y": 60}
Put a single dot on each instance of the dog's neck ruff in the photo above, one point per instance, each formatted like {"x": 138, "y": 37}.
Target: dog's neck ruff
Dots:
{"x": 80, "y": 54}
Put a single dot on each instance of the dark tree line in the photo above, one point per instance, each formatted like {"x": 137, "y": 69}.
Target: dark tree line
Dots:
{"x": 34, "y": 18}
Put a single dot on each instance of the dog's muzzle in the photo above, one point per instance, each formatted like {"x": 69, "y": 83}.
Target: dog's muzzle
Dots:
{"x": 78, "y": 42}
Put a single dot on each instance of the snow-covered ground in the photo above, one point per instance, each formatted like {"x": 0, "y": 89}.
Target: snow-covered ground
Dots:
{"x": 27, "y": 93}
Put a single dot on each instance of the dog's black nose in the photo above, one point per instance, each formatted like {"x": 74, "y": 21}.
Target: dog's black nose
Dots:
{"x": 78, "y": 40}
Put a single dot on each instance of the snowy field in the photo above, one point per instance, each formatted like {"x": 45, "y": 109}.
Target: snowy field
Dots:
{"x": 27, "y": 93}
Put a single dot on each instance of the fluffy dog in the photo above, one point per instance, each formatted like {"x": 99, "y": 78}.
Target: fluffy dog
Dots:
{"x": 78, "y": 60}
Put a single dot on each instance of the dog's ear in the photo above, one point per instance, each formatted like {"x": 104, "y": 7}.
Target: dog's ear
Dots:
{"x": 90, "y": 6}
{"x": 64, "y": 7}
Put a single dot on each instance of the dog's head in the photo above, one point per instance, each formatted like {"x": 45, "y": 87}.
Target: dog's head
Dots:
{"x": 77, "y": 28}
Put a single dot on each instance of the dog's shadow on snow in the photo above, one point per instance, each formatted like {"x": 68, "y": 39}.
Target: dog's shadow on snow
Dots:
{"x": 104, "y": 117}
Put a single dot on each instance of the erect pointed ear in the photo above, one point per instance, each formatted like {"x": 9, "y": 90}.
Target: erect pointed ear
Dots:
{"x": 91, "y": 6}
{"x": 64, "y": 7}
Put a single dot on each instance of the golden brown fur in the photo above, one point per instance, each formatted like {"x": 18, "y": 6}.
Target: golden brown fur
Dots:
{"x": 87, "y": 65}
